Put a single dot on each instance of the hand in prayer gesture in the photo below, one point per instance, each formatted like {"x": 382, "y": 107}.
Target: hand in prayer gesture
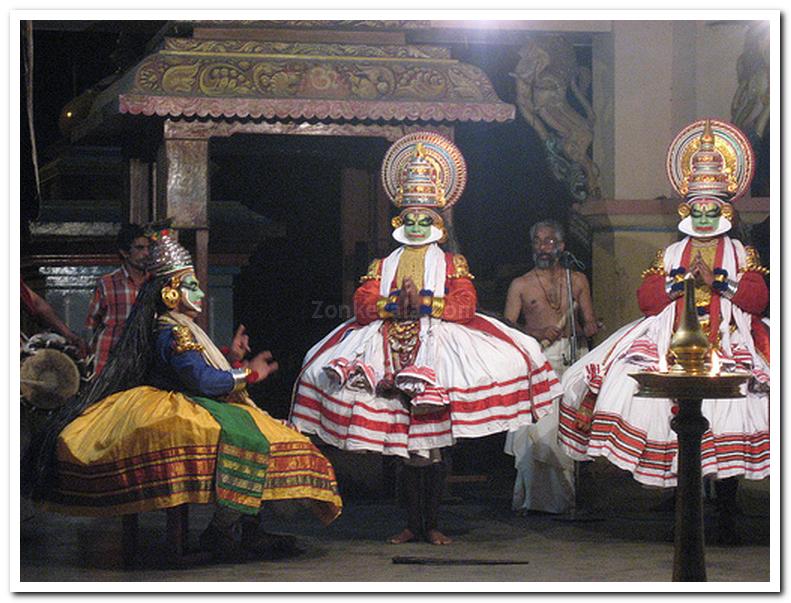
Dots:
{"x": 409, "y": 299}
{"x": 701, "y": 271}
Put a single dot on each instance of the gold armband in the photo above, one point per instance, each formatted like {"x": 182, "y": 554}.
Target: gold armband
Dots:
{"x": 184, "y": 340}
{"x": 437, "y": 307}
{"x": 380, "y": 307}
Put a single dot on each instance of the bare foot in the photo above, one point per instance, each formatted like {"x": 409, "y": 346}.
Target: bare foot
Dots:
{"x": 437, "y": 537}
{"x": 406, "y": 536}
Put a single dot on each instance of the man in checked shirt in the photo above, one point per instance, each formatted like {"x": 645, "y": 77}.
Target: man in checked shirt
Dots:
{"x": 116, "y": 292}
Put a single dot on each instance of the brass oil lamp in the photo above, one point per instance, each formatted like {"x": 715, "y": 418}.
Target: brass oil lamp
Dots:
{"x": 690, "y": 379}
{"x": 693, "y": 374}
{"x": 689, "y": 346}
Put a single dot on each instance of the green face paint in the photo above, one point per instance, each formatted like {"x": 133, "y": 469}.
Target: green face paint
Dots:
{"x": 417, "y": 226}
{"x": 705, "y": 216}
{"x": 191, "y": 293}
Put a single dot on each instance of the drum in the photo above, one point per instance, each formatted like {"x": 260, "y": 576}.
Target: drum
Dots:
{"x": 51, "y": 371}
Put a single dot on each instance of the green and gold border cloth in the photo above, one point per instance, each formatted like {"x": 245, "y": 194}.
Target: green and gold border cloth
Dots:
{"x": 242, "y": 456}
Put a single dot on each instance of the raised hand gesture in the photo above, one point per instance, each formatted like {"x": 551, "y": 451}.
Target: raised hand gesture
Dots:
{"x": 263, "y": 365}
{"x": 240, "y": 346}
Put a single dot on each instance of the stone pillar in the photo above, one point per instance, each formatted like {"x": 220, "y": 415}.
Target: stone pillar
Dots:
{"x": 642, "y": 99}
{"x": 650, "y": 79}
{"x": 183, "y": 196}
{"x": 603, "y": 72}
{"x": 139, "y": 210}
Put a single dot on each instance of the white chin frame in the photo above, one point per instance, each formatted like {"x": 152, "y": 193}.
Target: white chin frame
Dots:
{"x": 400, "y": 236}
{"x": 187, "y": 303}
{"x": 685, "y": 226}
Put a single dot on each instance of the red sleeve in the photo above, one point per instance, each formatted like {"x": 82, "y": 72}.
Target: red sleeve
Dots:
{"x": 651, "y": 295}
{"x": 460, "y": 300}
{"x": 365, "y": 298}
{"x": 752, "y": 294}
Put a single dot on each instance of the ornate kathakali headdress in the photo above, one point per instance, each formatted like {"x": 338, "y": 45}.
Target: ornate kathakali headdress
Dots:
{"x": 168, "y": 257}
{"x": 710, "y": 160}
{"x": 423, "y": 171}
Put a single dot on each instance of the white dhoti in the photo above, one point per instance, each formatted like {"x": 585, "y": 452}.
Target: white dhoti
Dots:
{"x": 544, "y": 472}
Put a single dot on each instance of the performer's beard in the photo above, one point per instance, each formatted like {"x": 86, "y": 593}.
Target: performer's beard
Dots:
{"x": 545, "y": 260}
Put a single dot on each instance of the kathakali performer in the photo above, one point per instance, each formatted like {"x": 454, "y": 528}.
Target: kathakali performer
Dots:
{"x": 417, "y": 367}
{"x": 169, "y": 421}
{"x": 710, "y": 164}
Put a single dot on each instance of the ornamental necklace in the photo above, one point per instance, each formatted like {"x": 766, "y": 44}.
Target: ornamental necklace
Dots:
{"x": 554, "y": 305}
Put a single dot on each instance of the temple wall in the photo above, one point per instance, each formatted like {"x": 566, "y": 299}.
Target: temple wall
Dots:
{"x": 651, "y": 78}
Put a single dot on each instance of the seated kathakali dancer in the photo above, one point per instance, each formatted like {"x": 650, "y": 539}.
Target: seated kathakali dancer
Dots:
{"x": 169, "y": 422}
{"x": 417, "y": 367}
{"x": 710, "y": 163}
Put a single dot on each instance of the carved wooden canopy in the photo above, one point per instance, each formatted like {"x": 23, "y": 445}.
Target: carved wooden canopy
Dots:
{"x": 295, "y": 80}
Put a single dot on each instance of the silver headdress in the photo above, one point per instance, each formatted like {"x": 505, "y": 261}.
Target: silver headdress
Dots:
{"x": 167, "y": 256}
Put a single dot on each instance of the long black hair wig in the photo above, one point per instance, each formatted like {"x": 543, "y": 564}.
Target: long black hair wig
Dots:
{"x": 127, "y": 366}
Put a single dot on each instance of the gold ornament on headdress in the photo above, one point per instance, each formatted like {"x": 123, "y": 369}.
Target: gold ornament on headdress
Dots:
{"x": 423, "y": 170}
{"x": 710, "y": 157}
{"x": 706, "y": 170}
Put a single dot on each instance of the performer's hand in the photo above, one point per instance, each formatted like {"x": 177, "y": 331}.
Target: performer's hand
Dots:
{"x": 403, "y": 302}
{"x": 411, "y": 298}
{"x": 701, "y": 271}
{"x": 550, "y": 334}
{"x": 79, "y": 343}
{"x": 263, "y": 365}
{"x": 590, "y": 328}
{"x": 240, "y": 346}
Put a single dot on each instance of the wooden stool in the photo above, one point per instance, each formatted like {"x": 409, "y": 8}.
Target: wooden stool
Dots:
{"x": 177, "y": 530}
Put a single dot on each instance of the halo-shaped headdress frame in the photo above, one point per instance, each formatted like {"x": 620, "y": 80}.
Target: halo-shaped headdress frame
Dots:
{"x": 729, "y": 140}
{"x": 444, "y": 156}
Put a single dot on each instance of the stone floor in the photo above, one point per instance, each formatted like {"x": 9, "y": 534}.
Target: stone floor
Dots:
{"x": 621, "y": 538}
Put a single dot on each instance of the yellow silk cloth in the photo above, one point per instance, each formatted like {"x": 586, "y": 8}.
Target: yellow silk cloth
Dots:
{"x": 412, "y": 264}
{"x": 144, "y": 449}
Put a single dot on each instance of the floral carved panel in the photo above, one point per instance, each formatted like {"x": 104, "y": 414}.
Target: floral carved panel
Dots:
{"x": 280, "y": 80}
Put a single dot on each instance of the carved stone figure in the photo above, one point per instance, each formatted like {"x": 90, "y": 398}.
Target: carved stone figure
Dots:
{"x": 546, "y": 75}
{"x": 750, "y": 106}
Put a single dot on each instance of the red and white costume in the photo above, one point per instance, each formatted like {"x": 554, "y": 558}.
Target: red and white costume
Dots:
{"x": 633, "y": 432}
{"x": 481, "y": 376}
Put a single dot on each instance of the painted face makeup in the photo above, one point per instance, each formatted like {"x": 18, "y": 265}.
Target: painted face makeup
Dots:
{"x": 417, "y": 226}
{"x": 191, "y": 293}
{"x": 705, "y": 216}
